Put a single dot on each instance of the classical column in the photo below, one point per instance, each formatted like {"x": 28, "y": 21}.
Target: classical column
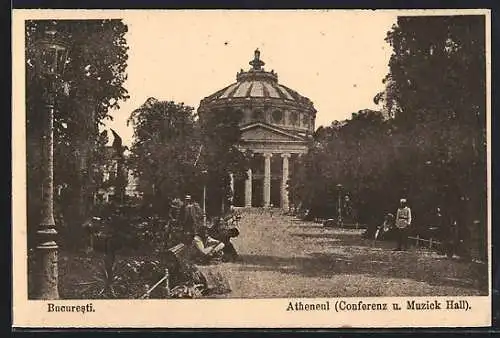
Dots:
{"x": 231, "y": 184}
{"x": 248, "y": 189}
{"x": 284, "y": 180}
{"x": 267, "y": 179}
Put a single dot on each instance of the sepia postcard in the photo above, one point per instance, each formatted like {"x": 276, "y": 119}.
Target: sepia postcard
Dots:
{"x": 251, "y": 169}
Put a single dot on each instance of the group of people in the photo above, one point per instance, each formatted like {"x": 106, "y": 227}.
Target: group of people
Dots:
{"x": 208, "y": 241}
{"x": 398, "y": 227}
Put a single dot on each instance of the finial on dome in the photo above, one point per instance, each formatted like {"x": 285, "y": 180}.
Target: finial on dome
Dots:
{"x": 257, "y": 63}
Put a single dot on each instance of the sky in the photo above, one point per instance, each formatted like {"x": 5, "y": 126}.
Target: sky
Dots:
{"x": 335, "y": 58}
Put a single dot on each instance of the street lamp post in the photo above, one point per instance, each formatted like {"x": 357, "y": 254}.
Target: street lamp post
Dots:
{"x": 51, "y": 56}
{"x": 339, "y": 210}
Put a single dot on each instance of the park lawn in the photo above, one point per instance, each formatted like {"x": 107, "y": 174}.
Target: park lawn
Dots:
{"x": 284, "y": 257}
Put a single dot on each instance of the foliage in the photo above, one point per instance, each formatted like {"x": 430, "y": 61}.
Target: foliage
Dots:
{"x": 130, "y": 230}
{"x": 354, "y": 153}
{"x": 164, "y": 150}
{"x": 221, "y": 156}
{"x": 453, "y": 45}
{"x": 430, "y": 148}
{"x": 442, "y": 114}
{"x": 187, "y": 291}
{"x": 94, "y": 77}
{"x": 175, "y": 154}
{"x": 137, "y": 247}
{"x": 93, "y": 72}
{"x": 83, "y": 276}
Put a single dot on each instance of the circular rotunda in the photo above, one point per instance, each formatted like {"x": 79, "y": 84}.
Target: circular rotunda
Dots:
{"x": 276, "y": 125}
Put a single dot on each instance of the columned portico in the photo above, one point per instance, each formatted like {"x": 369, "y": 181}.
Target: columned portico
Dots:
{"x": 267, "y": 179}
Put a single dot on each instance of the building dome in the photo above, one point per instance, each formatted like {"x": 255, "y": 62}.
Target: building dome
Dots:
{"x": 276, "y": 127}
{"x": 259, "y": 96}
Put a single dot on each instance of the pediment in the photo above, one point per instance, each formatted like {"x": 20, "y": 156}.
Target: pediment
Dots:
{"x": 264, "y": 132}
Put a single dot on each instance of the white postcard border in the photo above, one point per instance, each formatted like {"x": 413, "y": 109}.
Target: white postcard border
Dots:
{"x": 245, "y": 313}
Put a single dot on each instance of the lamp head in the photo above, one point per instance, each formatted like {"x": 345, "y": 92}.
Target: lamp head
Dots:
{"x": 51, "y": 54}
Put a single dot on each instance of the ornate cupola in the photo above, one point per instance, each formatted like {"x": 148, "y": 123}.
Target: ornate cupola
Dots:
{"x": 261, "y": 98}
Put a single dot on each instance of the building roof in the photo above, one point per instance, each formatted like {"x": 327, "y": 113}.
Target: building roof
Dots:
{"x": 257, "y": 83}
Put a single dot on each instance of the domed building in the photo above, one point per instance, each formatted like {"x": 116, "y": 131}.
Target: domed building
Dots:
{"x": 276, "y": 126}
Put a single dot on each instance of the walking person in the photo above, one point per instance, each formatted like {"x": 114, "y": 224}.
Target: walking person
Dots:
{"x": 403, "y": 222}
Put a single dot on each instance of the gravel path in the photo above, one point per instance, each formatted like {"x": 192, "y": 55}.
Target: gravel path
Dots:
{"x": 286, "y": 257}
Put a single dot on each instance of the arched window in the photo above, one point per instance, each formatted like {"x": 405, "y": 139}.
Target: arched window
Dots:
{"x": 294, "y": 118}
{"x": 305, "y": 121}
{"x": 277, "y": 116}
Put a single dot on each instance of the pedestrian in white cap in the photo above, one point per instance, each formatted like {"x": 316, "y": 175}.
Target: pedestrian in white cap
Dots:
{"x": 403, "y": 222}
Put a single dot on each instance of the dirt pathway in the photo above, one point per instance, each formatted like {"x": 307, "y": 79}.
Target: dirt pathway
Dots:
{"x": 286, "y": 257}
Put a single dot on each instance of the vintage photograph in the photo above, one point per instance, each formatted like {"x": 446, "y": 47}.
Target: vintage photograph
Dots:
{"x": 269, "y": 154}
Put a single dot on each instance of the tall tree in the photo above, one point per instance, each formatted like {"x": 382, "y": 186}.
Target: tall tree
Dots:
{"x": 354, "y": 153}
{"x": 221, "y": 156}
{"x": 164, "y": 151}
{"x": 95, "y": 74}
{"x": 437, "y": 81}
{"x": 431, "y": 145}
{"x": 177, "y": 153}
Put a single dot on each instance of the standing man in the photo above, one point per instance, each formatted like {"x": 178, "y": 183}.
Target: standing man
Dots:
{"x": 198, "y": 213}
{"x": 403, "y": 222}
{"x": 174, "y": 228}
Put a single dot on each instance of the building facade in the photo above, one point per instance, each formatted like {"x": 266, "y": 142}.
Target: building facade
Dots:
{"x": 276, "y": 126}
{"x": 106, "y": 190}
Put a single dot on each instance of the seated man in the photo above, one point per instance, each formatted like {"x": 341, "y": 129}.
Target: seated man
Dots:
{"x": 384, "y": 229}
{"x": 223, "y": 232}
{"x": 204, "y": 247}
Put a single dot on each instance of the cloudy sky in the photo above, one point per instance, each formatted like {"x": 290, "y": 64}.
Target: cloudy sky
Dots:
{"x": 336, "y": 58}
